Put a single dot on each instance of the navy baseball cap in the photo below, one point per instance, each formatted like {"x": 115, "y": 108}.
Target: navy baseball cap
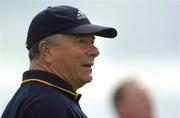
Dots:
{"x": 63, "y": 20}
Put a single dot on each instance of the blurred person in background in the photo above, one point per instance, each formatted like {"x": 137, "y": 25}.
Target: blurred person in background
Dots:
{"x": 131, "y": 100}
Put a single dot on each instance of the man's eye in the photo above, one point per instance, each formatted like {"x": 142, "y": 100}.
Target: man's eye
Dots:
{"x": 82, "y": 41}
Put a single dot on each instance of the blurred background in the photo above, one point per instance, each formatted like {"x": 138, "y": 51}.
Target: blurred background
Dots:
{"x": 147, "y": 47}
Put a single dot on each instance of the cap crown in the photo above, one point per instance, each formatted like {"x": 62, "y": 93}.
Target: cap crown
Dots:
{"x": 54, "y": 20}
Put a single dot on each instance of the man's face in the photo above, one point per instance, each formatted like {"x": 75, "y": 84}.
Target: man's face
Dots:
{"x": 73, "y": 58}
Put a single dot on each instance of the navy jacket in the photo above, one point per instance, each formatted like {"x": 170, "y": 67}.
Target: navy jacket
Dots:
{"x": 44, "y": 95}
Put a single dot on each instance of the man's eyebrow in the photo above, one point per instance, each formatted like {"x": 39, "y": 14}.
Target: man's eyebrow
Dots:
{"x": 85, "y": 36}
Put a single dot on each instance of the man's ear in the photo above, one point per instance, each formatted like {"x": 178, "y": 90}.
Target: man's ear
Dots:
{"x": 45, "y": 51}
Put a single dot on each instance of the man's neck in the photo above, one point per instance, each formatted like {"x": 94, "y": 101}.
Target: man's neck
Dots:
{"x": 38, "y": 65}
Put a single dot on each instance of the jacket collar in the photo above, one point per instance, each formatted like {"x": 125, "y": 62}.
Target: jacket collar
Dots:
{"x": 52, "y": 80}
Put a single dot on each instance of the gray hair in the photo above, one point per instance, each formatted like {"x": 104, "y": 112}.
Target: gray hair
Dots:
{"x": 34, "y": 50}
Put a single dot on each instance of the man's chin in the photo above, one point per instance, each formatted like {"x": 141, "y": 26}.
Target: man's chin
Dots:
{"x": 87, "y": 79}
{"x": 84, "y": 81}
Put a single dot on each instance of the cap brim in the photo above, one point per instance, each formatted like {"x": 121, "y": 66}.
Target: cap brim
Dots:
{"x": 95, "y": 29}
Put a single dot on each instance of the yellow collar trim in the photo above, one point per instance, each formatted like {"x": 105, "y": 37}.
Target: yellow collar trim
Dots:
{"x": 49, "y": 84}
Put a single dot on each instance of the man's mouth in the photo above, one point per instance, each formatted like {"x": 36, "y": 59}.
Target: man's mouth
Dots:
{"x": 87, "y": 68}
{"x": 88, "y": 65}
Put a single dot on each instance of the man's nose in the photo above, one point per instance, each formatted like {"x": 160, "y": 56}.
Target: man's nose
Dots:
{"x": 94, "y": 51}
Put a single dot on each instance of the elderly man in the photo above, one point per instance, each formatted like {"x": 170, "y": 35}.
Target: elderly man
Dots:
{"x": 61, "y": 51}
{"x": 132, "y": 101}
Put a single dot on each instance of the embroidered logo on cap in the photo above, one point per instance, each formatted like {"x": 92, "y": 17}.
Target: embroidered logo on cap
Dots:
{"x": 80, "y": 15}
